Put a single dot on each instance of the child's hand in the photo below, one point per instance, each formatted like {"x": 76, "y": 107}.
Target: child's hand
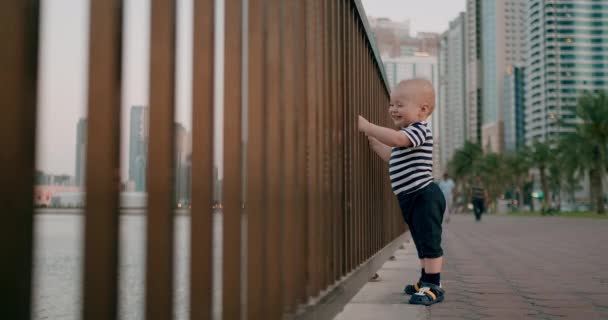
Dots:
{"x": 373, "y": 142}
{"x": 363, "y": 124}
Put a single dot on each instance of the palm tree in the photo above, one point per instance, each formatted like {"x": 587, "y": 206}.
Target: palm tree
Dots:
{"x": 592, "y": 109}
{"x": 462, "y": 166}
{"x": 462, "y": 163}
{"x": 569, "y": 152}
{"x": 541, "y": 157}
{"x": 495, "y": 176}
{"x": 518, "y": 168}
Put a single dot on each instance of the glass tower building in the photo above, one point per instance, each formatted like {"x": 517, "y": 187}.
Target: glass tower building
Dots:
{"x": 567, "y": 54}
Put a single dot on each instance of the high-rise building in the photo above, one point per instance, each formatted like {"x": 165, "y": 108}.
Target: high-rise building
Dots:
{"x": 567, "y": 53}
{"x": 138, "y": 147}
{"x": 503, "y": 45}
{"x": 474, "y": 79}
{"x": 404, "y": 68}
{"x": 514, "y": 109}
{"x": 81, "y": 151}
{"x": 393, "y": 39}
{"x": 389, "y": 35}
{"x": 452, "y": 90}
{"x": 183, "y": 151}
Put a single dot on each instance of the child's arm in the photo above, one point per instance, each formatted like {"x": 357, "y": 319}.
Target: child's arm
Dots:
{"x": 389, "y": 137}
{"x": 382, "y": 150}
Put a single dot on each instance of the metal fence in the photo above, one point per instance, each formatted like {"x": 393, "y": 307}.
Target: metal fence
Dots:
{"x": 302, "y": 190}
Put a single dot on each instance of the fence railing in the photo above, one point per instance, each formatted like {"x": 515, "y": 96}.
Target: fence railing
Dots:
{"x": 302, "y": 191}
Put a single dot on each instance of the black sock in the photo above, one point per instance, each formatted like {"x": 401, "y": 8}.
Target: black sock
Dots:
{"x": 434, "y": 278}
{"x": 422, "y": 275}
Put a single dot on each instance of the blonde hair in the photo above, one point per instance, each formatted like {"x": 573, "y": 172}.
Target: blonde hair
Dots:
{"x": 422, "y": 90}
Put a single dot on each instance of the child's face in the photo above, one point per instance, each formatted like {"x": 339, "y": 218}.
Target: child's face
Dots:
{"x": 404, "y": 107}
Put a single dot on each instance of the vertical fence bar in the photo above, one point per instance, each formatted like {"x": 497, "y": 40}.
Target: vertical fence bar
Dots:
{"x": 362, "y": 149}
{"x": 19, "y": 61}
{"x": 377, "y": 206}
{"x": 332, "y": 140}
{"x": 103, "y": 164}
{"x": 323, "y": 118}
{"x": 159, "y": 254}
{"x": 350, "y": 134}
{"x": 357, "y": 145}
{"x": 368, "y": 167}
{"x": 322, "y": 83}
{"x": 201, "y": 223}
{"x": 339, "y": 141}
{"x": 273, "y": 159}
{"x": 231, "y": 289}
{"x": 256, "y": 174}
{"x": 288, "y": 144}
{"x": 346, "y": 138}
{"x": 312, "y": 15}
{"x": 365, "y": 171}
{"x": 302, "y": 191}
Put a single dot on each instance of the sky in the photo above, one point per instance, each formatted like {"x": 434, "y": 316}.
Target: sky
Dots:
{"x": 62, "y": 90}
{"x": 424, "y": 15}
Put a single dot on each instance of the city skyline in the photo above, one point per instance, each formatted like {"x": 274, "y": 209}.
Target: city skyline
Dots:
{"x": 62, "y": 99}
{"x": 64, "y": 57}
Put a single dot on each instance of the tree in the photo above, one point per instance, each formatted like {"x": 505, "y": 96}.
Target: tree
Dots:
{"x": 518, "y": 169}
{"x": 494, "y": 174}
{"x": 541, "y": 157}
{"x": 462, "y": 166}
{"x": 569, "y": 151}
{"x": 592, "y": 109}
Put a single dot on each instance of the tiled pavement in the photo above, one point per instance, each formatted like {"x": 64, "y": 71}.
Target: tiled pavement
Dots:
{"x": 502, "y": 268}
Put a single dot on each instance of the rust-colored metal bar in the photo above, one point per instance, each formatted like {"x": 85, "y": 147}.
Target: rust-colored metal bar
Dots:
{"x": 322, "y": 74}
{"x": 366, "y": 170}
{"x": 346, "y": 123}
{"x": 361, "y": 145}
{"x": 366, "y": 78}
{"x": 201, "y": 216}
{"x": 302, "y": 190}
{"x": 329, "y": 98}
{"x": 232, "y": 193}
{"x": 274, "y": 159}
{"x": 373, "y": 165}
{"x": 288, "y": 124}
{"x": 340, "y": 135}
{"x": 370, "y": 156}
{"x": 332, "y": 142}
{"x": 312, "y": 179}
{"x": 321, "y": 81}
{"x": 340, "y": 150}
{"x": 357, "y": 147}
{"x": 19, "y": 62}
{"x": 103, "y": 164}
{"x": 159, "y": 253}
{"x": 337, "y": 144}
{"x": 257, "y": 177}
{"x": 350, "y": 134}
{"x": 356, "y": 144}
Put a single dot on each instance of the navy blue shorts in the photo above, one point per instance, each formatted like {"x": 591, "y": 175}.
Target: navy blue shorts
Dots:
{"x": 423, "y": 211}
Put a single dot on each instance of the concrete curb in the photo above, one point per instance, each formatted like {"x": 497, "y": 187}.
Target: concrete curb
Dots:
{"x": 385, "y": 299}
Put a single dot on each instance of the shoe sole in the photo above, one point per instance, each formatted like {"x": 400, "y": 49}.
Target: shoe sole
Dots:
{"x": 439, "y": 299}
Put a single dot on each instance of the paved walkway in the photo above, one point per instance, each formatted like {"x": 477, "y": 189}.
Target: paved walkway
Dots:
{"x": 502, "y": 268}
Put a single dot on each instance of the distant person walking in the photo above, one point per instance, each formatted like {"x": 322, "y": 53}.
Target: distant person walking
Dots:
{"x": 479, "y": 197}
{"x": 447, "y": 185}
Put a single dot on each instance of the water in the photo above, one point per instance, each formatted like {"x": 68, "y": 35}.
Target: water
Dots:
{"x": 58, "y": 259}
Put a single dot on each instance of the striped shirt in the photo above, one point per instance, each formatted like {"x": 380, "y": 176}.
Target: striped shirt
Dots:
{"x": 477, "y": 191}
{"x": 411, "y": 168}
